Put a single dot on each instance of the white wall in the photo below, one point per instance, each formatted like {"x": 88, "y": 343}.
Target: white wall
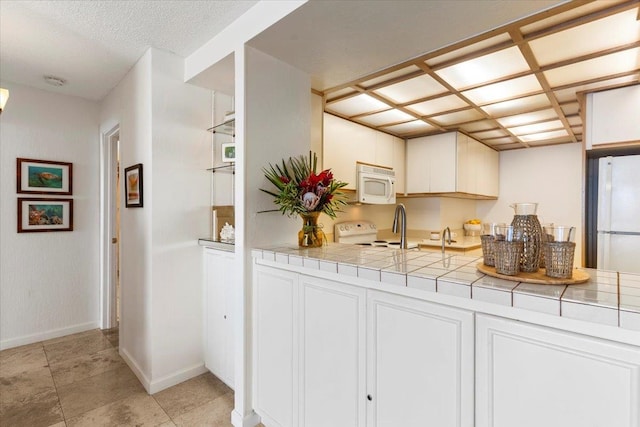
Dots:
{"x": 181, "y": 149}
{"x": 163, "y": 124}
{"x": 552, "y": 176}
{"x": 49, "y": 284}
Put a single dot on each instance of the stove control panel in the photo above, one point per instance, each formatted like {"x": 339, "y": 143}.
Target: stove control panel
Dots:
{"x": 354, "y": 228}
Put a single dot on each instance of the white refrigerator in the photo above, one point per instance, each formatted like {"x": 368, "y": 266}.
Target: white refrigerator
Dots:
{"x": 619, "y": 213}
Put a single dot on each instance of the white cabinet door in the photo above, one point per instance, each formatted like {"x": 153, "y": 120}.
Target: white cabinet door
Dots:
{"x": 399, "y": 163}
{"x": 417, "y": 166}
{"x": 431, "y": 164}
{"x": 219, "y": 287}
{"x": 420, "y": 370}
{"x": 332, "y": 354}
{"x": 346, "y": 143}
{"x": 275, "y": 345}
{"x": 532, "y": 376}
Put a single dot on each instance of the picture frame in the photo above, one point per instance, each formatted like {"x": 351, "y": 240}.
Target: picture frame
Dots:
{"x": 44, "y": 214}
{"x": 44, "y": 177}
{"x": 133, "y": 186}
{"x": 228, "y": 152}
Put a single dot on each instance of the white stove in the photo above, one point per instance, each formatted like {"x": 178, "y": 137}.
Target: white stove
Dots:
{"x": 364, "y": 233}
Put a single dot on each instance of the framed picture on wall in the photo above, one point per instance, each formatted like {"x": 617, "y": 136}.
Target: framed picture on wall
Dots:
{"x": 133, "y": 186}
{"x": 229, "y": 152}
{"x": 44, "y": 177}
{"x": 40, "y": 214}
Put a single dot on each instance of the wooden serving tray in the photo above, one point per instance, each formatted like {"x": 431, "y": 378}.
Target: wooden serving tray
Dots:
{"x": 539, "y": 277}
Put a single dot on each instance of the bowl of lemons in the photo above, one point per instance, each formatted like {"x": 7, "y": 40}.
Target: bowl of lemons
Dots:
{"x": 473, "y": 227}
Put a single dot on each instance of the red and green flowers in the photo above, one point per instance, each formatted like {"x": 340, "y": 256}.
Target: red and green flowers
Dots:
{"x": 300, "y": 189}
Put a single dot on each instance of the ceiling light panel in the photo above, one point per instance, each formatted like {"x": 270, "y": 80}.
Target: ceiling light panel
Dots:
{"x": 437, "y": 105}
{"x": 467, "y": 50}
{"x": 341, "y": 92}
{"x": 357, "y": 105}
{"x": 536, "y": 127}
{"x": 544, "y": 136}
{"x": 504, "y": 90}
{"x": 468, "y": 115}
{"x": 619, "y": 62}
{"x": 523, "y": 119}
{"x": 588, "y": 38}
{"x": 390, "y": 76}
{"x": 485, "y": 68}
{"x": 410, "y": 127}
{"x": 499, "y": 141}
{"x": 386, "y": 117}
{"x": 478, "y": 126}
{"x": 496, "y": 133}
{"x": 574, "y": 120}
{"x": 516, "y": 106}
{"x": 568, "y": 15}
{"x": 570, "y": 108}
{"x": 569, "y": 94}
{"x": 409, "y": 90}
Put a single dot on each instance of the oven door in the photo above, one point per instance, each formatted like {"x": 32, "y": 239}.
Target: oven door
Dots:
{"x": 376, "y": 189}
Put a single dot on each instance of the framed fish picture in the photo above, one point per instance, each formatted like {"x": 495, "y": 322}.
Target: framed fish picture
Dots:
{"x": 44, "y": 177}
{"x": 41, "y": 214}
{"x": 133, "y": 186}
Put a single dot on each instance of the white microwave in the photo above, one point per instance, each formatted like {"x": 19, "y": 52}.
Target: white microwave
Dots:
{"x": 375, "y": 184}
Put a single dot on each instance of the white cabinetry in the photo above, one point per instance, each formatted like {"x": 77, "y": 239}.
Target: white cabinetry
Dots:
{"x": 612, "y": 116}
{"x": 219, "y": 287}
{"x": 313, "y": 338}
{"x": 531, "y": 376}
{"x": 332, "y": 356}
{"x": 346, "y": 143}
{"x": 421, "y": 360}
{"x": 451, "y": 163}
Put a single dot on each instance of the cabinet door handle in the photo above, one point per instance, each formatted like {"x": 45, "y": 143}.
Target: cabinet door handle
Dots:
{"x": 369, "y": 398}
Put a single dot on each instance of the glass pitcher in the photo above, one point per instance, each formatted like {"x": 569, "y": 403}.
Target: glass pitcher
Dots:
{"x": 524, "y": 208}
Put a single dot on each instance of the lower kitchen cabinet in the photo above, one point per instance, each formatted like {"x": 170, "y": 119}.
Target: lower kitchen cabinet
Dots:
{"x": 219, "y": 287}
{"x": 330, "y": 354}
{"x": 420, "y": 363}
{"x": 531, "y": 376}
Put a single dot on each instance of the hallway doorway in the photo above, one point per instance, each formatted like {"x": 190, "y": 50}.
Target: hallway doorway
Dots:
{"x": 111, "y": 196}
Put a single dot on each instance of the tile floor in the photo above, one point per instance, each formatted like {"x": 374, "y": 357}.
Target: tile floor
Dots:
{"x": 80, "y": 380}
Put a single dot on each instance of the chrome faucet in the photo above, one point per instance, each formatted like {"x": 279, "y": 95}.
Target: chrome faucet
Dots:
{"x": 446, "y": 232}
{"x": 402, "y": 214}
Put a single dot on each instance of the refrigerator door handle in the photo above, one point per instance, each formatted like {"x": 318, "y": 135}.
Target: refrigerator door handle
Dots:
{"x": 623, "y": 233}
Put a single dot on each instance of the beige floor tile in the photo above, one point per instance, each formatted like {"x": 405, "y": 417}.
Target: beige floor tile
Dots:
{"x": 41, "y": 409}
{"x": 113, "y": 335}
{"x": 139, "y": 409}
{"x": 16, "y": 388}
{"x": 72, "y": 337}
{"x": 60, "y": 424}
{"x": 22, "y": 359}
{"x": 85, "y": 366}
{"x": 190, "y": 394}
{"x": 216, "y": 413}
{"x": 93, "y": 392}
{"x": 84, "y": 344}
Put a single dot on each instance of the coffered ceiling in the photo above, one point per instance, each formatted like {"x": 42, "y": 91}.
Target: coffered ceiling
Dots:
{"x": 520, "y": 85}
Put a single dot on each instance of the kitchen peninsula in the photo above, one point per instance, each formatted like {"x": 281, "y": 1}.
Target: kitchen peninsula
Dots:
{"x": 415, "y": 337}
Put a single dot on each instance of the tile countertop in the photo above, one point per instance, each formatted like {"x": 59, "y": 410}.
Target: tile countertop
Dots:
{"x": 461, "y": 242}
{"x": 608, "y": 298}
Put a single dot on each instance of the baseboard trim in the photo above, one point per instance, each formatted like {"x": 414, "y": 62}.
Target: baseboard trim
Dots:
{"x": 250, "y": 420}
{"x": 47, "y": 335}
{"x": 130, "y": 361}
{"x": 176, "y": 378}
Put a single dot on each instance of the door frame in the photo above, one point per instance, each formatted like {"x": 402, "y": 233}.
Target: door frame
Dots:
{"x": 108, "y": 228}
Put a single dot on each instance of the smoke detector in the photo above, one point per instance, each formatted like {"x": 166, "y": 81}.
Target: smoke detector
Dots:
{"x": 55, "y": 81}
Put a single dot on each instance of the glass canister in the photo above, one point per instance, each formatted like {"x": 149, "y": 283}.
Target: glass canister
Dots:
{"x": 526, "y": 220}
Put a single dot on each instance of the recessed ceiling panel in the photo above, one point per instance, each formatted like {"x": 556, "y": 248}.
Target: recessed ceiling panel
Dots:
{"x": 415, "y": 88}
{"x": 390, "y": 76}
{"x": 485, "y": 68}
{"x": 410, "y": 127}
{"x": 468, "y": 50}
{"x": 588, "y": 38}
{"x": 570, "y": 108}
{"x": 568, "y": 15}
{"x": 569, "y": 94}
{"x": 386, "y": 117}
{"x": 499, "y": 141}
{"x": 627, "y": 60}
{"x": 516, "y": 106}
{"x": 340, "y": 92}
{"x": 478, "y": 126}
{"x": 356, "y": 105}
{"x": 458, "y": 117}
{"x": 544, "y": 136}
{"x": 504, "y": 90}
{"x": 574, "y": 120}
{"x": 496, "y": 133}
{"x": 437, "y": 105}
{"x": 536, "y": 127}
{"x": 523, "y": 119}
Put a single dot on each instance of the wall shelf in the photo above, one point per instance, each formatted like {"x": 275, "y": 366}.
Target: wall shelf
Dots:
{"x": 225, "y": 168}
{"x": 225, "y": 128}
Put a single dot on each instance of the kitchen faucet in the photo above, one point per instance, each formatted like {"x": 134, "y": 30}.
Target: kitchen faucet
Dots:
{"x": 446, "y": 232}
{"x": 402, "y": 214}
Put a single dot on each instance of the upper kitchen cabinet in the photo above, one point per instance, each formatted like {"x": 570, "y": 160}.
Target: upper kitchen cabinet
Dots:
{"x": 451, "y": 164}
{"x": 612, "y": 117}
{"x": 346, "y": 143}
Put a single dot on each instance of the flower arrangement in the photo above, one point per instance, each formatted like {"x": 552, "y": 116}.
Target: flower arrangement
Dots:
{"x": 300, "y": 190}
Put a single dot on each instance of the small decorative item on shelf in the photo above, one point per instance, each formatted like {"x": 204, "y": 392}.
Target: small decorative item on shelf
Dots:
{"x": 301, "y": 191}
